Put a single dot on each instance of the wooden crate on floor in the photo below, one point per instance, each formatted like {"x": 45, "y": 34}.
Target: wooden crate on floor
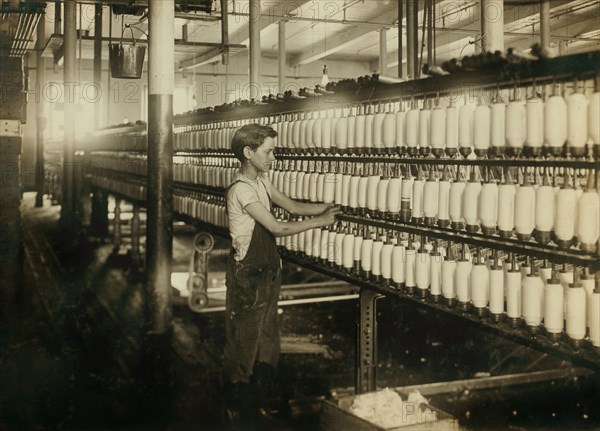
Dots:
{"x": 337, "y": 417}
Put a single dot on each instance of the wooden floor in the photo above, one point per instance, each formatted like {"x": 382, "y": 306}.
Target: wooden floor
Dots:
{"x": 73, "y": 354}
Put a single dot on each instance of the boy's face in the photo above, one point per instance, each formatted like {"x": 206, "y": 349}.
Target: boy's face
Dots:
{"x": 263, "y": 157}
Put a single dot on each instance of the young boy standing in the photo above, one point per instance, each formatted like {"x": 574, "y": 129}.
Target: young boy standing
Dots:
{"x": 254, "y": 269}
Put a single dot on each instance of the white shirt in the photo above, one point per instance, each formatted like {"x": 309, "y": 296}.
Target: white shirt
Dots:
{"x": 241, "y": 224}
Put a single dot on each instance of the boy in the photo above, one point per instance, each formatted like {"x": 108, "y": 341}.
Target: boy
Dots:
{"x": 254, "y": 270}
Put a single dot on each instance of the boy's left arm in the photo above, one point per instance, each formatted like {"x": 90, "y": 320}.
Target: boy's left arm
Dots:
{"x": 295, "y": 207}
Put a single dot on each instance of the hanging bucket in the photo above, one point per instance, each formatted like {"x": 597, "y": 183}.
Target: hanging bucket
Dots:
{"x": 126, "y": 60}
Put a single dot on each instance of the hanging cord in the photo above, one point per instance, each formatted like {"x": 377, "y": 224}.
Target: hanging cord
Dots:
{"x": 472, "y": 42}
{"x": 130, "y": 26}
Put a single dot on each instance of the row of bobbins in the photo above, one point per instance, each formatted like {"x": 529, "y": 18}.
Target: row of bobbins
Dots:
{"x": 520, "y": 290}
{"x": 562, "y": 205}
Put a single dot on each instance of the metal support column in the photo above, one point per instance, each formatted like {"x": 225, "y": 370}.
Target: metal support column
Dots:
{"x": 41, "y": 114}
{"x": 117, "y": 227}
{"x": 545, "y": 24}
{"x": 282, "y": 59}
{"x": 254, "y": 83}
{"x": 70, "y": 112}
{"x": 410, "y": 39}
{"x": 366, "y": 370}
{"x": 97, "y": 61}
{"x": 382, "y": 51}
{"x": 492, "y": 25}
{"x": 400, "y": 37}
{"x": 159, "y": 230}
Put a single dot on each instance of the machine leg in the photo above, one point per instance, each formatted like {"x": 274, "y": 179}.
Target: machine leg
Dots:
{"x": 117, "y": 227}
{"x": 136, "y": 257}
{"x": 99, "y": 216}
{"x": 366, "y": 370}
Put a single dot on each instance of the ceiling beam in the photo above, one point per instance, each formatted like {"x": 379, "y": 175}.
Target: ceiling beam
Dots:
{"x": 270, "y": 16}
{"x": 341, "y": 40}
{"x": 514, "y": 15}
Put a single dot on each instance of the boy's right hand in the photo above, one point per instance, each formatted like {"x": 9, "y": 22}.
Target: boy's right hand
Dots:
{"x": 328, "y": 216}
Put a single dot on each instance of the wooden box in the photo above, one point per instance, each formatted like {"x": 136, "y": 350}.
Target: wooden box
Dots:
{"x": 337, "y": 417}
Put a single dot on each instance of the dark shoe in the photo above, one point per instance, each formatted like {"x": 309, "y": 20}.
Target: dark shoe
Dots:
{"x": 231, "y": 402}
{"x": 264, "y": 376}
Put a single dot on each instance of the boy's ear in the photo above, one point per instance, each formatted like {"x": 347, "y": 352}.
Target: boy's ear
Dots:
{"x": 247, "y": 152}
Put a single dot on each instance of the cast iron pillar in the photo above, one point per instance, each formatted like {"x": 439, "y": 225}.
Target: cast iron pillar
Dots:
{"x": 159, "y": 227}
{"x": 70, "y": 112}
{"x": 41, "y": 115}
{"x": 255, "y": 14}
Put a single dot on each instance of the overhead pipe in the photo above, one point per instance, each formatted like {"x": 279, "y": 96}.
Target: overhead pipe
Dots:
{"x": 225, "y": 31}
{"x": 410, "y": 40}
{"x": 492, "y": 25}
{"x": 415, "y": 17}
{"x": 400, "y": 37}
{"x": 41, "y": 115}
{"x": 97, "y": 60}
{"x": 159, "y": 226}
{"x": 70, "y": 113}
{"x": 545, "y": 24}
{"x": 382, "y": 51}
{"x": 429, "y": 11}
{"x": 282, "y": 58}
{"x": 255, "y": 14}
{"x": 57, "y": 17}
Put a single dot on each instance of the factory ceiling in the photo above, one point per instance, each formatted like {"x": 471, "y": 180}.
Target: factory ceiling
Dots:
{"x": 316, "y": 30}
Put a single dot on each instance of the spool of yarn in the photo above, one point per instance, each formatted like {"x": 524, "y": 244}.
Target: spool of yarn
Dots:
{"x": 443, "y": 214}
{"x": 534, "y": 138}
{"x": 488, "y": 207}
{"x": 544, "y": 213}
{"x": 348, "y": 251}
{"x": 470, "y": 204}
{"x": 386, "y": 260}
{"x": 555, "y": 123}
{"x": 465, "y": 129}
{"x": 451, "y": 130}
{"x": 376, "y": 256}
{"x": 513, "y": 292}
{"x": 525, "y": 210}
{"x": 455, "y": 208}
{"x": 577, "y": 127}
{"x": 480, "y": 285}
{"x": 496, "y": 283}
{"x": 389, "y": 130}
{"x": 482, "y": 134}
{"x": 553, "y": 306}
{"x": 576, "y": 311}
{"x": 498, "y": 125}
{"x": 437, "y": 131}
{"x": 399, "y": 265}
{"x": 531, "y": 301}
{"x": 422, "y": 269}
{"x": 435, "y": 275}
{"x": 516, "y": 123}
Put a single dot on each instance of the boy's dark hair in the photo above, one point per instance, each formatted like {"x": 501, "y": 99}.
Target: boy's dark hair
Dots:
{"x": 250, "y": 135}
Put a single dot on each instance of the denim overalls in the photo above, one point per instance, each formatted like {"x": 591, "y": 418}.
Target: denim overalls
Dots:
{"x": 251, "y": 325}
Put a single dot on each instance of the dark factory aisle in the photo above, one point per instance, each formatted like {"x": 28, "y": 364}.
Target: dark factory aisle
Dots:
{"x": 72, "y": 354}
